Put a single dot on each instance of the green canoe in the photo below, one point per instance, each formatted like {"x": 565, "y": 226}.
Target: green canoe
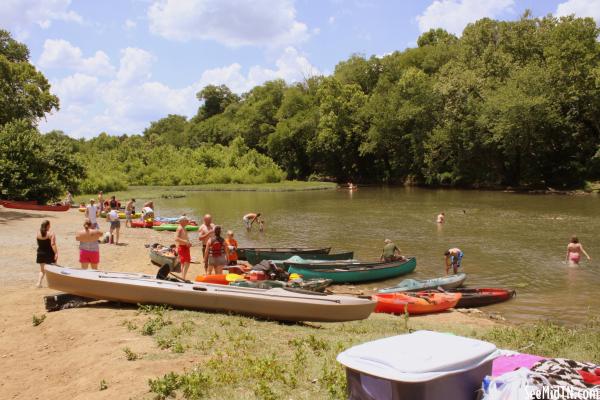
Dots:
{"x": 173, "y": 227}
{"x": 412, "y": 285}
{"x": 294, "y": 250}
{"x": 343, "y": 272}
{"x": 255, "y": 256}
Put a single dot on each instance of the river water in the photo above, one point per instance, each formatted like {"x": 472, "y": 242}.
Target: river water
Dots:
{"x": 509, "y": 240}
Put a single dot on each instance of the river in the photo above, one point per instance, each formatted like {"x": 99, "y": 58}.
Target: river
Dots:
{"x": 509, "y": 240}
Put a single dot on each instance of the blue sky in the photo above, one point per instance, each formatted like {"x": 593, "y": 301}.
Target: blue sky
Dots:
{"x": 117, "y": 65}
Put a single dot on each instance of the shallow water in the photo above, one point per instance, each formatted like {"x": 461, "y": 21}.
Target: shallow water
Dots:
{"x": 509, "y": 240}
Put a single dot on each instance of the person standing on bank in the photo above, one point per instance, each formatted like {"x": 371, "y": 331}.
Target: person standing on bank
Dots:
{"x": 206, "y": 232}
{"x": 183, "y": 245}
{"x": 47, "y": 252}
{"x": 91, "y": 213}
{"x": 89, "y": 249}
{"x": 216, "y": 253}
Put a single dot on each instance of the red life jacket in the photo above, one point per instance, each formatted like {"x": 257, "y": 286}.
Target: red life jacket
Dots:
{"x": 216, "y": 248}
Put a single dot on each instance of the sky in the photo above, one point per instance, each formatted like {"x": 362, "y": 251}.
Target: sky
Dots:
{"x": 118, "y": 65}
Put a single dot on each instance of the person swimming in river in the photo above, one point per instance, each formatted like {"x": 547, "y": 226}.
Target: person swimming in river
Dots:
{"x": 453, "y": 258}
{"x": 441, "y": 218}
{"x": 574, "y": 250}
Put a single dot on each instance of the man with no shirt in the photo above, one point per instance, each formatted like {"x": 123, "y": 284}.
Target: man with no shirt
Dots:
{"x": 206, "y": 232}
{"x": 453, "y": 258}
{"x": 183, "y": 245}
{"x": 250, "y": 218}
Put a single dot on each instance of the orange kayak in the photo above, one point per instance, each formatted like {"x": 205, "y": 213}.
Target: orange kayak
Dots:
{"x": 219, "y": 279}
{"x": 397, "y": 303}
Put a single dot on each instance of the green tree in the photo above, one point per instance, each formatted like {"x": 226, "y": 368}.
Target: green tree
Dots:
{"x": 168, "y": 130}
{"x": 24, "y": 91}
{"x": 33, "y": 167}
{"x": 215, "y": 100}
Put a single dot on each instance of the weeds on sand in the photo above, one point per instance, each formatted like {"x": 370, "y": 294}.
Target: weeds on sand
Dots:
{"x": 193, "y": 384}
{"x": 154, "y": 325}
{"x": 130, "y": 325}
{"x": 35, "y": 320}
{"x": 130, "y": 355}
{"x": 103, "y": 385}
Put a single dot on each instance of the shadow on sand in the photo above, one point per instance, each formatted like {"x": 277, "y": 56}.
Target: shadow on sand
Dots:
{"x": 6, "y": 216}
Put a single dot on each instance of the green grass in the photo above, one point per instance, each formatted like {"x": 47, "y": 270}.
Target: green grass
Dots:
{"x": 244, "y": 358}
{"x": 148, "y": 192}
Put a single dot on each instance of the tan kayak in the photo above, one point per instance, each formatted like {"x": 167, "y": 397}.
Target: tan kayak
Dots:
{"x": 274, "y": 304}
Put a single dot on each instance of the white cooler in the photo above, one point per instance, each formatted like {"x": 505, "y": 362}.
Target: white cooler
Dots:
{"x": 422, "y": 365}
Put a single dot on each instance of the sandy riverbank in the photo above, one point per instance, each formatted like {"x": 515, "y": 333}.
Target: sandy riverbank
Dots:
{"x": 72, "y": 351}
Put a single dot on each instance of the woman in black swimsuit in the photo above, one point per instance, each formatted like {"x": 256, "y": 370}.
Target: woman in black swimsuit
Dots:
{"x": 47, "y": 252}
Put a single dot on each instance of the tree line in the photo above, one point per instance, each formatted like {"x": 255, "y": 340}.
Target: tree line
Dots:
{"x": 509, "y": 103}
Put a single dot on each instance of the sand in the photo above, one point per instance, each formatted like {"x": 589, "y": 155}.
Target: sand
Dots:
{"x": 72, "y": 351}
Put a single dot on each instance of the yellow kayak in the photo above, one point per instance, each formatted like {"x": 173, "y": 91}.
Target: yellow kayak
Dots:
{"x": 122, "y": 215}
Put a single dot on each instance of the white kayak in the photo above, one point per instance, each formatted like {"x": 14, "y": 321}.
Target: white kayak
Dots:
{"x": 275, "y": 304}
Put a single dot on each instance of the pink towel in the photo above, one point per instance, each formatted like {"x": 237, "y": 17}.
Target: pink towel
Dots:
{"x": 504, "y": 364}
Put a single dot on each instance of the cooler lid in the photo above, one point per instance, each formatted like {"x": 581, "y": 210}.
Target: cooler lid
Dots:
{"x": 418, "y": 357}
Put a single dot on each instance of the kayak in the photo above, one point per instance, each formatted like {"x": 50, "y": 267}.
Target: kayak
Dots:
{"x": 217, "y": 279}
{"x": 162, "y": 259}
{"x": 294, "y": 250}
{"x": 274, "y": 304}
{"x": 28, "y": 205}
{"x": 315, "y": 285}
{"x": 344, "y": 272}
{"x": 172, "y": 220}
{"x": 121, "y": 215}
{"x": 173, "y": 227}
{"x": 479, "y": 297}
{"x": 414, "y": 285}
{"x": 144, "y": 224}
{"x": 255, "y": 256}
{"x": 427, "y": 303}
{"x": 81, "y": 209}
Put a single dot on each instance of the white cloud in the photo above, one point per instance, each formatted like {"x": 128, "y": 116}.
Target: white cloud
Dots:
{"x": 129, "y": 24}
{"x": 59, "y": 53}
{"x": 454, "y": 15}
{"x": 135, "y": 65}
{"x": 129, "y": 100}
{"x": 233, "y": 23}
{"x": 331, "y": 20}
{"x": 581, "y": 8}
{"x": 19, "y": 16}
{"x": 76, "y": 89}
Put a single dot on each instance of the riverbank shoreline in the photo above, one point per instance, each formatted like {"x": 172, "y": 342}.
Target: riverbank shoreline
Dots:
{"x": 105, "y": 351}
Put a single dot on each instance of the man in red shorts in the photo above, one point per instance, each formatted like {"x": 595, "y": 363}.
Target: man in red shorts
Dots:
{"x": 183, "y": 245}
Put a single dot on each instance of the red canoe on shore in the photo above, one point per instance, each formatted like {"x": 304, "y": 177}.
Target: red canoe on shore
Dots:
{"x": 25, "y": 205}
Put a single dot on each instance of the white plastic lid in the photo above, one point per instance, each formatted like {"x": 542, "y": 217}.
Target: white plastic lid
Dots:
{"x": 418, "y": 357}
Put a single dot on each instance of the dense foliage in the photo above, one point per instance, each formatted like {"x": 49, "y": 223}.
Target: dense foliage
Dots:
{"x": 506, "y": 104}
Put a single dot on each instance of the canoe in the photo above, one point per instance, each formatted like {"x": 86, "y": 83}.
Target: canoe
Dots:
{"x": 399, "y": 303}
{"x": 121, "y": 215}
{"x": 161, "y": 259}
{"x": 294, "y": 250}
{"x": 173, "y": 227}
{"x": 414, "y": 285}
{"x": 480, "y": 297}
{"x": 315, "y": 285}
{"x": 356, "y": 272}
{"x": 256, "y": 256}
{"x": 27, "y": 205}
{"x": 274, "y": 304}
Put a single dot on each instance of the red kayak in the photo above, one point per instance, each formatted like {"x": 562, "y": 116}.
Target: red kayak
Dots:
{"x": 144, "y": 224}
{"x": 475, "y": 297}
{"x": 24, "y": 205}
{"x": 426, "y": 303}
